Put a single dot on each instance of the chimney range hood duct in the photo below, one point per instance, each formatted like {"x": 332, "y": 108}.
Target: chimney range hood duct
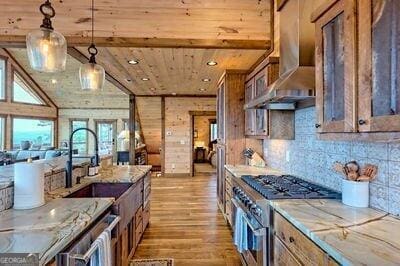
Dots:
{"x": 296, "y": 80}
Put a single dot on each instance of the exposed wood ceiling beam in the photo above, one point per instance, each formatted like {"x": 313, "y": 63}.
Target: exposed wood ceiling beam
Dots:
{"x": 20, "y": 42}
{"x": 84, "y": 59}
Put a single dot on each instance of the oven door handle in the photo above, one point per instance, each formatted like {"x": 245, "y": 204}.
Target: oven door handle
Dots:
{"x": 261, "y": 231}
{"x": 85, "y": 257}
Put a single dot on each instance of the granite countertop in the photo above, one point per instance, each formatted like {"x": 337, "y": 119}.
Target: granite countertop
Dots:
{"x": 121, "y": 174}
{"x": 48, "y": 229}
{"x": 352, "y": 236}
{"x": 240, "y": 169}
{"x": 53, "y": 165}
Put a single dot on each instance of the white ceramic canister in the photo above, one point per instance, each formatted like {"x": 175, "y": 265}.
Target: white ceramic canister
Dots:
{"x": 355, "y": 193}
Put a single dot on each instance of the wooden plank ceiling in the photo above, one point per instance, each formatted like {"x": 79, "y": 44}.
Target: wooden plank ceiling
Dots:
{"x": 172, "y": 70}
{"x": 144, "y": 23}
{"x": 65, "y": 90}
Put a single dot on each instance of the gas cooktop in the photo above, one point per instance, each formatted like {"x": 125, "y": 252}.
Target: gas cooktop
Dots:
{"x": 288, "y": 187}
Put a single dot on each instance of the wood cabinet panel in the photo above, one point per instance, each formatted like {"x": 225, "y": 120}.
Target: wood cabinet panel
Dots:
{"x": 336, "y": 68}
{"x": 146, "y": 216}
{"x": 282, "y": 256}
{"x": 379, "y": 90}
{"x": 250, "y": 114}
{"x": 298, "y": 244}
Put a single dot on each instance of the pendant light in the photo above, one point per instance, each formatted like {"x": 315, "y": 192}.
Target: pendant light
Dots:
{"x": 91, "y": 74}
{"x": 46, "y": 48}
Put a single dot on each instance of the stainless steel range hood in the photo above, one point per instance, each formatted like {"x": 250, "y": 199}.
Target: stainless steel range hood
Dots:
{"x": 296, "y": 47}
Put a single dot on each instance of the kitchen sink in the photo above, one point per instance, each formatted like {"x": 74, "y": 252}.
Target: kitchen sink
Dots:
{"x": 101, "y": 190}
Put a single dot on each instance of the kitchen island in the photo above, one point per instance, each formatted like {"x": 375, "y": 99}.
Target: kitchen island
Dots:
{"x": 49, "y": 229}
{"x": 320, "y": 229}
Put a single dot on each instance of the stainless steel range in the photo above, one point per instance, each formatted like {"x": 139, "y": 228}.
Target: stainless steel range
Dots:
{"x": 250, "y": 201}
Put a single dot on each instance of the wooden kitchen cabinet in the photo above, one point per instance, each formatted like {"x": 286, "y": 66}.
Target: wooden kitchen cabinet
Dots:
{"x": 231, "y": 126}
{"x": 379, "y": 66}
{"x": 358, "y": 70}
{"x": 291, "y": 247}
{"x": 228, "y": 197}
{"x": 256, "y": 120}
{"x": 335, "y": 68}
{"x": 250, "y": 114}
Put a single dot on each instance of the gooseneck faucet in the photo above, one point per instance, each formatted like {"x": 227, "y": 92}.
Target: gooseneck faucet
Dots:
{"x": 68, "y": 183}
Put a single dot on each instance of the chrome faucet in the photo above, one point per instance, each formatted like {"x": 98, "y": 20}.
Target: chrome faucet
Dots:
{"x": 68, "y": 181}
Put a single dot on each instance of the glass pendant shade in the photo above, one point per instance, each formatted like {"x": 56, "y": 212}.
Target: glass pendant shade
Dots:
{"x": 92, "y": 76}
{"x": 47, "y": 50}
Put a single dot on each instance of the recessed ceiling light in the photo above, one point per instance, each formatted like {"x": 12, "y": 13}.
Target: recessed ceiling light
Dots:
{"x": 202, "y": 89}
{"x": 212, "y": 63}
{"x": 174, "y": 93}
{"x": 128, "y": 80}
{"x": 206, "y": 80}
{"x": 53, "y": 81}
{"x": 133, "y": 62}
{"x": 145, "y": 79}
{"x": 152, "y": 89}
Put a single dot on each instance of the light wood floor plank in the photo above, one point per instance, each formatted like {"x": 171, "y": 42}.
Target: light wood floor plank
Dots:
{"x": 186, "y": 224}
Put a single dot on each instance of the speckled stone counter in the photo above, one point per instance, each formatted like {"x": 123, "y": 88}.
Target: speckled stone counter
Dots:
{"x": 48, "y": 229}
{"x": 239, "y": 170}
{"x": 120, "y": 174}
{"x": 352, "y": 236}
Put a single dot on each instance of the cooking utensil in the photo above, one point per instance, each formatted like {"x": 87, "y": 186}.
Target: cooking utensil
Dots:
{"x": 352, "y": 169}
{"x": 368, "y": 173}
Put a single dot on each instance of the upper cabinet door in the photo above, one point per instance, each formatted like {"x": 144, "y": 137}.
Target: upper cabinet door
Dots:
{"x": 335, "y": 68}
{"x": 250, "y": 113}
{"x": 259, "y": 83}
{"x": 221, "y": 112}
{"x": 379, "y": 68}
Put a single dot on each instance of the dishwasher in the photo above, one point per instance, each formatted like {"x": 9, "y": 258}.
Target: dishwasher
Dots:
{"x": 80, "y": 251}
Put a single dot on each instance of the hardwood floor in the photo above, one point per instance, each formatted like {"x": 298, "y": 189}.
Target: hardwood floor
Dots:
{"x": 186, "y": 224}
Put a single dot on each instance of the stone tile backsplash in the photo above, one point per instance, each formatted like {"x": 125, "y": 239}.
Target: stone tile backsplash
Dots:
{"x": 312, "y": 159}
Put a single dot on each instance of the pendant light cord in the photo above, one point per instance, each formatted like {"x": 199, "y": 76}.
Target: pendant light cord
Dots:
{"x": 92, "y": 21}
{"x": 92, "y": 48}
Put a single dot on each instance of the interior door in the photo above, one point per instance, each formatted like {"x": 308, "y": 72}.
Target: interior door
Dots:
{"x": 107, "y": 134}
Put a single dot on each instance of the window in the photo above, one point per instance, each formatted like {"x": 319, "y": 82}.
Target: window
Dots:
{"x": 23, "y": 93}
{"x": 2, "y": 131}
{"x": 3, "y": 75}
{"x": 38, "y": 132}
{"x": 80, "y": 140}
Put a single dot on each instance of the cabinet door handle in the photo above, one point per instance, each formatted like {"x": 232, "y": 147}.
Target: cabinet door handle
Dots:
{"x": 317, "y": 125}
{"x": 362, "y": 122}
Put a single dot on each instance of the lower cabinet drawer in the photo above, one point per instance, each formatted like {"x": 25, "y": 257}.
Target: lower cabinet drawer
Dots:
{"x": 297, "y": 243}
{"x": 282, "y": 256}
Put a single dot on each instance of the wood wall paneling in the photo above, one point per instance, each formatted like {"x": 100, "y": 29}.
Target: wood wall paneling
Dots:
{"x": 177, "y": 131}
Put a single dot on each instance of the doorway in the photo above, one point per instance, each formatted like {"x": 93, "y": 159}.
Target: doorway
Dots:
{"x": 203, "y": 130}
{"x": 106, "y": 131}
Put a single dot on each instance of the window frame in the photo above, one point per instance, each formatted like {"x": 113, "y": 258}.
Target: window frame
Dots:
{"x": 16, "y": 72}
{"x": 86, "y": 120}
{"x": 54, "y": 120}
{"x": 5, "y": 59}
